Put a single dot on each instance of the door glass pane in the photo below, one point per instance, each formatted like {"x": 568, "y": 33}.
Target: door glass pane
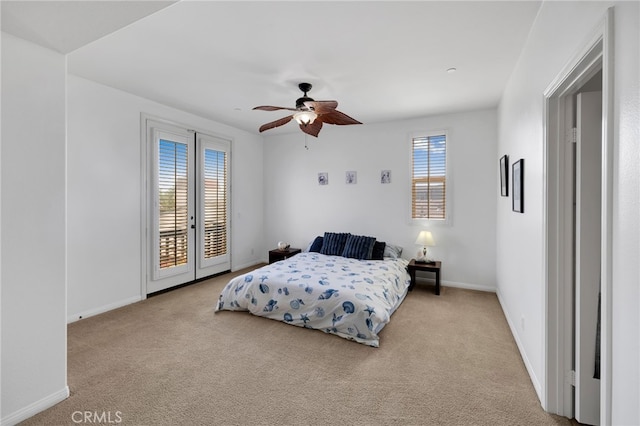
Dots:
{"x": 215, "y": 203}
{"x": 173, "y": 203}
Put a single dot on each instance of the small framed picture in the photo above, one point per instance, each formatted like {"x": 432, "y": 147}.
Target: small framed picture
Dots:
{"x": 517, "y": 175}
{"x": 323, "y": 178}
{"x": 385, "y": 176}
{"x": 504, "y": 176}
{"x": 351, "y": 177}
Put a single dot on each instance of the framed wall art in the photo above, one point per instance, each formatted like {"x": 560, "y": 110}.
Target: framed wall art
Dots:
{"x": 385, "y": 176}
{"x": 504, "y": 176}
{"x": 351, "y": 177}
{"x": 323, "y": 178}
{"x": 517, "y": 177}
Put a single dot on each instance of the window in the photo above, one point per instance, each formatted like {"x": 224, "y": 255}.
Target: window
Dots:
{"x": 429, "y": 177}
{"x": 215, "y": 203}
{"x": 172, "y": 190}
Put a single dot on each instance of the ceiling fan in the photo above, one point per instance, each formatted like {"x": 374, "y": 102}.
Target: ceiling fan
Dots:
{"x": 309, "y": 114}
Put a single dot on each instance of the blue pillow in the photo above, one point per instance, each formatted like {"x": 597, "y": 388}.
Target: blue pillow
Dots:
{"x": 333, "y": 243}
{"x": 378, "y": 250}
{"x": 316, "y": 245}
{"x": 358, "y": 247}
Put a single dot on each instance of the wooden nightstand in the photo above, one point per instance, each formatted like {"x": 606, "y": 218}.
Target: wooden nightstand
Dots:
{"x": 276, "y": 255}
{"x": 428, "y": 267}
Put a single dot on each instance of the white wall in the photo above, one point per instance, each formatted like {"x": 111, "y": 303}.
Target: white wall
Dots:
{"x": 626, "y": 224}
{"x": 33, "y": 230}
{"x": 104, "y": 194}
{"x": 560, "y": 31}
{"x": 1, "y": 33}
{"x": 298, "y": 209}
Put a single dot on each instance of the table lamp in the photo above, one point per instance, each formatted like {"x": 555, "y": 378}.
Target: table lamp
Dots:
{"x": 425, "y": 239}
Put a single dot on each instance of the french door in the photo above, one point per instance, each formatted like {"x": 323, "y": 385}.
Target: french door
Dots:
{"x": 188, "y": 206}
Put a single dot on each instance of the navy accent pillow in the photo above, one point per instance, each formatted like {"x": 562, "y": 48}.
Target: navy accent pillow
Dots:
{"x": 378, "y": 250}
{"x": 358, "y": 247}
{"x": 333, "y": 243}
{"x": 316, "y": 245}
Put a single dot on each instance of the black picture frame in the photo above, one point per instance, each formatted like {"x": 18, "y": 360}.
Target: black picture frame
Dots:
{"x": 504, "y": 176}
{"x": 517, "y": 177}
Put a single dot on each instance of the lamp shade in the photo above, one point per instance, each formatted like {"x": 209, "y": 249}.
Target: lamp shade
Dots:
{"x": 305, "y": 117}
{"x": 425, "y": 239}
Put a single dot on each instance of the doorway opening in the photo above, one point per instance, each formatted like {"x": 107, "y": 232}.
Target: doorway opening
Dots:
{"x": 578, "y": 200}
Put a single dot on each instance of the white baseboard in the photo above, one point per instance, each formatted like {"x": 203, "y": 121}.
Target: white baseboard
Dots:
{"x": 35, "y": 408}
{"x": 102, "y": 309}
{"x": 458, "y": 285}
{"x": 468, "y": 286}
{"x": 248, "y": 264}
{"x": 523, "y": 354}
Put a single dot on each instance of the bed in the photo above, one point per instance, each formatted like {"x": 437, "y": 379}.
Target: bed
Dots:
{"x": 346, "y": 296}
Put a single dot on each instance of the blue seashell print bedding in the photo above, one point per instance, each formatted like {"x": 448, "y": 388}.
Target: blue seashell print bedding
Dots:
{"x": 347, "y": 297}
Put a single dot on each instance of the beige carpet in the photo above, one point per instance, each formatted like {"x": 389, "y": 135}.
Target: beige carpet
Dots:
{"x": 169, "y": 360}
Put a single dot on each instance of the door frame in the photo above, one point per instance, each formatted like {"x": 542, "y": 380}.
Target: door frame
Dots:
{"x": 146, "y": 164}
{"x": 557, "y": 393}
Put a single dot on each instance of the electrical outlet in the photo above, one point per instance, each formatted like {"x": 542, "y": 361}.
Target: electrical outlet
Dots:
{"x": 522, "y": 322}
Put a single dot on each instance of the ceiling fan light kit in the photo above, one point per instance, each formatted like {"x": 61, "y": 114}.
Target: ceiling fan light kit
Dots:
{"x": 305, "y": 117}
{"x": 309, "y": 114}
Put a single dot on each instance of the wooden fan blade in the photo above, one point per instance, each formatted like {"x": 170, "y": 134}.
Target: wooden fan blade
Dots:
{"x": 276, "y": 123}
{"x": 312, "y": 129}
{"x": 337, "y": 117}
{"x": 273, "y": 108}
{"x": 322, "y": 107}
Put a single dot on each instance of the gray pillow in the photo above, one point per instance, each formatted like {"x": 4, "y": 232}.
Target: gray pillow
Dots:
{"x": 392, "y": 251}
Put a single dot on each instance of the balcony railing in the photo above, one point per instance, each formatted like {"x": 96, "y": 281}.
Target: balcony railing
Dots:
{"x": 174, "y": 244}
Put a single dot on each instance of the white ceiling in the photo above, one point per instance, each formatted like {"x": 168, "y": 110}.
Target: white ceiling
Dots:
{"x": 67, "y": 25}
{"x": 381, "y": 61}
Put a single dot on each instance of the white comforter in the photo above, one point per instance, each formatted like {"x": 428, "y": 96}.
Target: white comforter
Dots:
{"x": 351, "y": 298}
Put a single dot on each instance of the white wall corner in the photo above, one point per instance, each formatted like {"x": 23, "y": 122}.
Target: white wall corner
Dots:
{"x": 35, "y": 408}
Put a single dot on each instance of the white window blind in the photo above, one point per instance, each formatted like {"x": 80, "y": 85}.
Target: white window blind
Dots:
{"x": 173, "y": 199}
{"x": 429, "y": 177}
{"x": 215, "y": 203}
